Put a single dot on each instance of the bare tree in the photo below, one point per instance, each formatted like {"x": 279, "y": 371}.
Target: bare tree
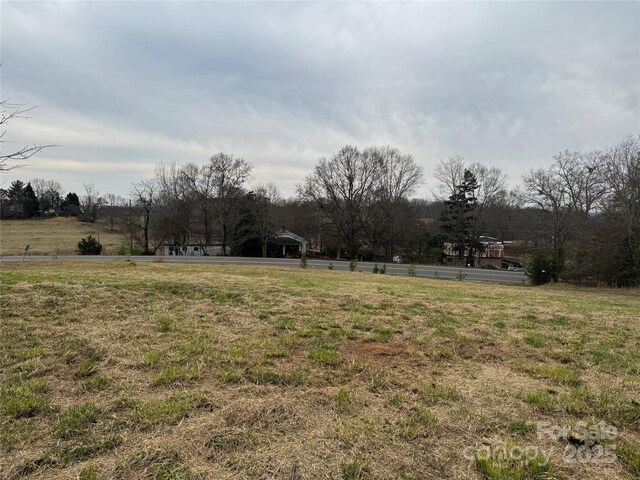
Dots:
{"x": 113, "y": 202}
{"x": 11, "y": 111}
{"x": 341, "y": 188}
{"x": 264, "y": 197}
{"x": 228, "y": 175}
{"x": 175, "y": 201}
{"x": 622, "y": 208}
{"x": 545, "y": 191}
{"x": 144, "y": 196}
{"x": 450, "y": 174}
{"x": 202, "y": 184}
{"x": 91, "y": 202}
{"x": 49, "y": 193}
{"x": 397, "y": 179}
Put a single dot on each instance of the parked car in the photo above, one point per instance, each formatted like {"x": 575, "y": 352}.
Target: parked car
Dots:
{"x": 491, "y": 266}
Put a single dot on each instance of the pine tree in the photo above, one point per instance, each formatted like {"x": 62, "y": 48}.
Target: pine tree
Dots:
{"x": 30, "y": 205}
{"x": 457, "y": 215}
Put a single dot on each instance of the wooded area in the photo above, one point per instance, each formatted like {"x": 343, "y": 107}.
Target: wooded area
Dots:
{"x": 578, "y": 220}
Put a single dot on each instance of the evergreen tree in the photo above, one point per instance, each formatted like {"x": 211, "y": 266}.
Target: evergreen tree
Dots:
{"x": 71, "y": 204}
{"x": 30, "y": 205}
{"x": 16, "y": 190}
{"x": 457, "y": 215}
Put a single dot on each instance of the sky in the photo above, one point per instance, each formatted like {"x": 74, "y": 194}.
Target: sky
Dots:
{"x": 122, "y": 86}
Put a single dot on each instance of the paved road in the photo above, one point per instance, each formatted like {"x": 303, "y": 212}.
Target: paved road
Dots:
{"x": 429, "y": 271}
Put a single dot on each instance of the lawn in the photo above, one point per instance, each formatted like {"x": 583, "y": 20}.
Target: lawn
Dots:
{"x": 54, "y": 236}
{"x": 159, "y": 370}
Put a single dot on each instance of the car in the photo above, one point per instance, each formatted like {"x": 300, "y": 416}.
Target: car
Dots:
{"x": 490, "y": 266}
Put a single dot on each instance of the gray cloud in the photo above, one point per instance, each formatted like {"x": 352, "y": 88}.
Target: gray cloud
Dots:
{"x": 127, "y": 85}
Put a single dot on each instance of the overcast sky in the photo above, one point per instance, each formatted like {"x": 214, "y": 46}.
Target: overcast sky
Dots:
{"x": 123, "y": 86}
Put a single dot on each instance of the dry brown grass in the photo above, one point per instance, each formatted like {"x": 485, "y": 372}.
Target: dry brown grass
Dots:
{"x": 184, "y": 371}
{"x": 53, "y": 236}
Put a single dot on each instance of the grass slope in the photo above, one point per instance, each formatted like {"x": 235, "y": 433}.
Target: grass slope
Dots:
{"x": 184, "y": 371}
{"x": 53, "y": 236}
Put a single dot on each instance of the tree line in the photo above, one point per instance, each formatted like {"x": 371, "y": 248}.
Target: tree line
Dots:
{"x": 577, "y": 220}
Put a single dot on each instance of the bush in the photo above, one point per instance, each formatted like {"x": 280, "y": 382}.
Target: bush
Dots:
{"x": 303, "y": 260}
{"x": 542, "y": 270}
{"x": 353, "y": 264}
{"x": 383, "y": 270}
{"x": 89, "y": 246}
{"x": 375, "y": 269}
{"x": 411, "y": 270}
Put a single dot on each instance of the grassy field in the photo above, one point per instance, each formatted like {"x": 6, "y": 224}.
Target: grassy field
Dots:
{"x": 183, "y": 371}
{"x": 53, "y": 236}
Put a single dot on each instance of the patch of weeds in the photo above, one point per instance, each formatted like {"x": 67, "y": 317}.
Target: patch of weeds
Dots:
{"x": 377, "y": 380}
{"x": 79, "y": 350}
{"x": 64, "y": 455}
{"x": 24, "y": 399}
{"x": 535, "y": 340}
{"x": 76, "y": 421}
{"x": 362, "y": 326}
{"x": 284, "y": 324}
{"x": 158, "y": 464}
{"x": 175, "y": 374}
{"x": 434, "y": 393}
{"x": 24, "y": 354}
{"x": 560, "y": 374}
{"x": 235, "y": 355}
{"x": 630, "y": 456}
{"x": 346, "y": 402}
{"x": 417, "y": 423}
{"x": 559, "y": 320}
{"x": 150, "y": 413}
{"x": 265, "y": 376}
{"x": 540, "y": 399}
{"x": 89, "y": 473}
{"x": 397, "y": 399}
{"x": 165, "y": 324}
{"x": 383, "y": 334}
{"x": 509, "y": 461}
{"x": 224, "y": 443}
{"x": 355, "y": 470}
{"x": 277, "y": 352}
{"x": 95, "y": 382}
{"x": 86, "y": 369}
{"x": 151, "y": 359}
{"x": 500, "y": 325}
{"x": 74, "y": 453}
{"x": 326, "y": 356}
{"x": 606, "y": 356}
{"x": 522, "y": 427}
{"x": 229, "y": 375}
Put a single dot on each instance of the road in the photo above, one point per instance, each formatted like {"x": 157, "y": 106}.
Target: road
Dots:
{"x": 427, "y": 271}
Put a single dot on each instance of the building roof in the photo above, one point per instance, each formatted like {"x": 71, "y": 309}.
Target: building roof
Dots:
{"x": 284, "y": 236}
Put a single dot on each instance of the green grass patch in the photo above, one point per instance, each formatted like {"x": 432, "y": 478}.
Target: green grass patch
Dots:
{"x": 76, "y": 421}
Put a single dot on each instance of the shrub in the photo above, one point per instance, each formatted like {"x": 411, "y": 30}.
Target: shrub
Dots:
{"x": 542, "y": 270}
{"x": 375, "y": 269}
{"x": 330, "y": 265}
{"x": 411, "y": 270}
{"x": 353, "y": 264}
{"x": 89, "y": 246}
{"x": 383, "y": 270}
{"x": 303, "y": 260}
